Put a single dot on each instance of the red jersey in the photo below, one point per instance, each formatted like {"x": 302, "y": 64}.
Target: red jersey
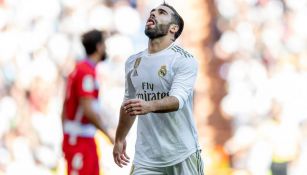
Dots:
{"x": 81, "y": 83}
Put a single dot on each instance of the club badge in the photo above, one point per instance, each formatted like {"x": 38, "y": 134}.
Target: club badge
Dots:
{"x": 136, "y": 65}
{"x": 162, "y": 71}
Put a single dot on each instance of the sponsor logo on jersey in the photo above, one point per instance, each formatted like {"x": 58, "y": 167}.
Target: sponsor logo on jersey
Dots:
{"x": 136, "y": 65}
{"x": 162, "y": 71}
{"x": 148, "y": 93}
{"x": 149, "y": 96}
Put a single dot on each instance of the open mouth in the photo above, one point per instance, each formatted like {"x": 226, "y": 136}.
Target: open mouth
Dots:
{"x": 150, "y": 22}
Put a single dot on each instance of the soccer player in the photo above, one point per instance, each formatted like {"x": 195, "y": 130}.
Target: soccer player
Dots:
{"x": 159, "y": 91}
{"x": 81, "y": 115}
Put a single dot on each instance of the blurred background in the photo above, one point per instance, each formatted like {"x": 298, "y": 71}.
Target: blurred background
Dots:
{"x": 250, "y": 95}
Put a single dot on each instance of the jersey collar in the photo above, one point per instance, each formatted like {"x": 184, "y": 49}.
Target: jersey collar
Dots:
{"x": 90, "y": 62}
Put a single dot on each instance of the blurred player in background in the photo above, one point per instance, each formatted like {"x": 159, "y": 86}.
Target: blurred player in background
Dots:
{"x": 81, "y": 113}
{"x": 159, "y": 90}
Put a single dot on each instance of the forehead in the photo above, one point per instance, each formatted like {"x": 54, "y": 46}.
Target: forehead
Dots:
{"x": 162, "y": 7}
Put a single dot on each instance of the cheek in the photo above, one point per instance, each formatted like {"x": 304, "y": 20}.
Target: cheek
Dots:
{"x": 102, "y": 49}
{"x": 164, "y": 20}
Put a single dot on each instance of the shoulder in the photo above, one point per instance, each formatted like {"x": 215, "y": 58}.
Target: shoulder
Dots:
{"x": 180, "y": 52}
{"x": 132, "y": 58}
{"x": 83, "y": 68}
{"x": 183, "y": 57}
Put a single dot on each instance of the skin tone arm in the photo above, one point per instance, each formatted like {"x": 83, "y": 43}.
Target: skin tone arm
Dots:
{"x": 141, "y": 107}
{"x": 62, "y": 118}
{"x": 95, "y": 117}
{"x": 119, "y": 151}
{"x": 128, "y": 112}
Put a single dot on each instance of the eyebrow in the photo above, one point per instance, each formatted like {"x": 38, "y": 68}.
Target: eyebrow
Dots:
{"x": 159, "y": 10}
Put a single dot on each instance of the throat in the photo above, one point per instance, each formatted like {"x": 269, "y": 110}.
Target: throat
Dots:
{"x": 157, "y": 45}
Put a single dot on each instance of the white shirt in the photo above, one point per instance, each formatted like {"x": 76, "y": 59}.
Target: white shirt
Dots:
{"x": 163, "y": 139}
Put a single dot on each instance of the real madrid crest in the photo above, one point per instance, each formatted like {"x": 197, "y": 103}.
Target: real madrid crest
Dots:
{"x": 136, "y": 65}
{"x": 162, "y": 71}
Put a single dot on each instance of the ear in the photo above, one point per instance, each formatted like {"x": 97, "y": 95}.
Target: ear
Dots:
{"x": 174, "y": 28}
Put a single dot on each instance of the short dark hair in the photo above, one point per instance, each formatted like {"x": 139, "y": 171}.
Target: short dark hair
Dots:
{"x": 90, "y": 40}
{"x": 177, "y": 19}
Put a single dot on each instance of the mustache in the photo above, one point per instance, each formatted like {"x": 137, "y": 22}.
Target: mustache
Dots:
{"x": 152, "y": 19}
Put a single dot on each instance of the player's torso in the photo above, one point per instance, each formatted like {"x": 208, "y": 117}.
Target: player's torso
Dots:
{"x": 163, "y": 138}
{"x": 82, "y": 72}
{"x": 152, "y": 76}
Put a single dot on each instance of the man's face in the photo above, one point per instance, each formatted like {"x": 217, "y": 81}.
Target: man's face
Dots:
{"x": 102, "y": 51}
{"x": 158, "y": 22}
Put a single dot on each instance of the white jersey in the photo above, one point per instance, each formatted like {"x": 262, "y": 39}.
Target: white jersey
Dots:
{"x": 163, "y": 139}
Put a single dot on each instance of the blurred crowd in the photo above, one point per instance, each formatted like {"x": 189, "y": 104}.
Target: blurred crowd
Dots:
{"x": 264, "y": 49}
{"x": 261, "y": 42}
{"x": 40, "y": 43}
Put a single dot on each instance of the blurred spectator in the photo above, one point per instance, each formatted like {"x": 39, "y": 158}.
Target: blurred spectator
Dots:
{"x": 40, "y": 44}
{"x": 283, "y": 139}
{"x": 299, "y": 164}
{"x": 263, "y": 44}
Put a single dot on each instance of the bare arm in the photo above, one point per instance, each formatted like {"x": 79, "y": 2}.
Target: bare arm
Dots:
{"x": 141, "y": 107}
{"x": 95, "y": 117}
{"x": 119, "y": 151}
{"x": 62, "y": 117}
{"x": 125, "y": 123}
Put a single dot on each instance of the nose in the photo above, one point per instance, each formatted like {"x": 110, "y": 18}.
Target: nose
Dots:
{"x": 152, "y": 14}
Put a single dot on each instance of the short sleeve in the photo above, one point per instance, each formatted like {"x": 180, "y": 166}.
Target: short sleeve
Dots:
{"x": 185, "y": 73}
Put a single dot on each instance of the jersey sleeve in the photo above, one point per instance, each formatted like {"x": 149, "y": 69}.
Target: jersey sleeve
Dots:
{"x": 86, "y": 85}
{"x": 185, "y": 72}
{"x": 129, "y": 89}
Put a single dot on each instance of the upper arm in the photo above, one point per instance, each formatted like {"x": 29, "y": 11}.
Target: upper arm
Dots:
{"x": 185, "y": 73}
{"x": 87, "y": 91}
{"x": 86, "y": 104}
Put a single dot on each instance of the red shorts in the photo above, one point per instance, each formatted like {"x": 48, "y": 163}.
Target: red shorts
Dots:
{"x": 82, "y": 158}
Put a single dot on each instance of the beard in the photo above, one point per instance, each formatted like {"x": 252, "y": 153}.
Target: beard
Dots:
{"x": 103, "y": 57}
{"x": 158, "y": 31}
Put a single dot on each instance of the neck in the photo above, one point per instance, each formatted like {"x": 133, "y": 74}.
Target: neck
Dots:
{"x": 94, "y": 58}
{"x": 158, "y": 44}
